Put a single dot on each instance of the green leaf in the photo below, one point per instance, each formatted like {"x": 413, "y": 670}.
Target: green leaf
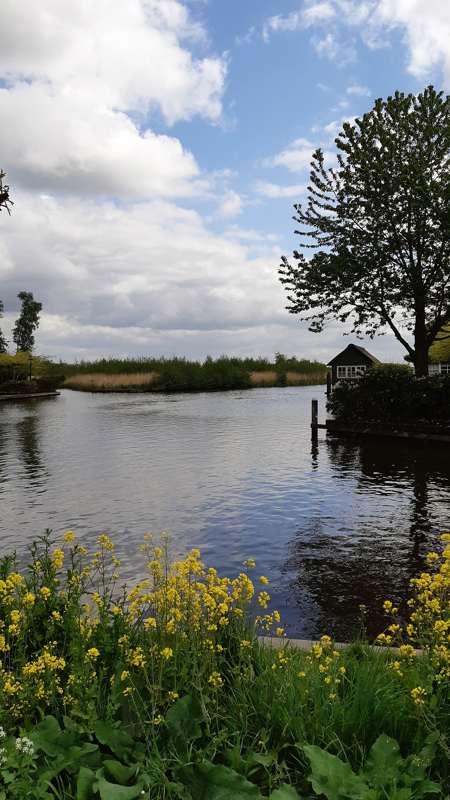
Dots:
{"x": 118, "y": 740}
{"x": 209, "y": 781}
{"x": 332, "y": 777}
{"x": 46, "y": 735}
{"x": 119, "y": 772}
{"x": 183, "y": 721}
{"x": 384, "y": 763}
{"x": 85, "y": 782}
{"x": 111, "y": 791}
{"x": 285, "y": 792}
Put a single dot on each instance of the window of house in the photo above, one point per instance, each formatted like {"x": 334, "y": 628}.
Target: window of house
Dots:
{"x": 351, "y": 371}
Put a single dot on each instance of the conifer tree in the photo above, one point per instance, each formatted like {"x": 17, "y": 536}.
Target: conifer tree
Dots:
{"x": 380, "y": 223}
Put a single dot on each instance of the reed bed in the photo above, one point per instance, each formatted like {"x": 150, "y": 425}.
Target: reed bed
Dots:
{"x": 182, "y": 375}
{"x": 97, "y": 381}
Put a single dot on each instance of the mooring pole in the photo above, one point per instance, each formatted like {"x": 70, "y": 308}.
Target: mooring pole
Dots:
{"x": 314, "y": 414}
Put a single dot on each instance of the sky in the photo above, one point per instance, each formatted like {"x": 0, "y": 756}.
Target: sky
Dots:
{"x": 155, "y": 149}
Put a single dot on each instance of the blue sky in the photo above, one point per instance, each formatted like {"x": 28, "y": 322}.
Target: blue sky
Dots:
{"x": 155, "y": 150}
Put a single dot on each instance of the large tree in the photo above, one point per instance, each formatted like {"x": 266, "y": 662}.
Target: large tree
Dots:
{"x": 27, "y": 322}
{"x": 380, "y": 222}
{"x": 3, "y": 342}
{"x": 5, "y": 203}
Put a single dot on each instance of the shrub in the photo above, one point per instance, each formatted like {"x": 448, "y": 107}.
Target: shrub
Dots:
{"x": 389, "y": 393}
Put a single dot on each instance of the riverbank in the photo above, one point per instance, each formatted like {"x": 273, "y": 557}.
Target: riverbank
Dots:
{"x": 181, "y": 375}
{"x": 165, "y": 692}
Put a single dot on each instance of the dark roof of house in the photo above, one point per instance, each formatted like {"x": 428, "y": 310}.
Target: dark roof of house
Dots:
{"x": 361, "y": 350}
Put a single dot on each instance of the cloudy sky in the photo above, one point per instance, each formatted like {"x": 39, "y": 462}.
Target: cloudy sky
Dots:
{"x": 154, "y": 150}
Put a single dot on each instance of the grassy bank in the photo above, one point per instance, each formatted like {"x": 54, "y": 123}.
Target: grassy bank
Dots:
{"x": 182, "y": 375}
{"x": 161, "y": 690}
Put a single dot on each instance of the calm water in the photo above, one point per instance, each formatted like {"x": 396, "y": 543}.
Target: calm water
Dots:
{"x": 334, "y": 524}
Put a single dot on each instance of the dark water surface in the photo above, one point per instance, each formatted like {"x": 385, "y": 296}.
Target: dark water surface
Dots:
{"x": 333, "y": 524}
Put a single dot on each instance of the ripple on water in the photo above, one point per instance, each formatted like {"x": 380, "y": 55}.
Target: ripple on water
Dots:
{"x": 334, "y": 523}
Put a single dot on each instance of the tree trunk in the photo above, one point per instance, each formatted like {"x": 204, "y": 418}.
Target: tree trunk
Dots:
{"x": 420, "y": 340}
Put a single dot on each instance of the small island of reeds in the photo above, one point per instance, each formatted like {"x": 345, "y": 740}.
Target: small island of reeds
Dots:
{"x": 183, "y": 375}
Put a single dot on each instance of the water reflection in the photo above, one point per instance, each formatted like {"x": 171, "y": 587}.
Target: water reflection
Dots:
{"x": 236, "y": 474}
{"x": 355, "y": 558}
{"x": 27, "y": 432}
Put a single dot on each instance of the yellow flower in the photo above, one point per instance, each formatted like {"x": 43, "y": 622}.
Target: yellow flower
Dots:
{"x": 58, "y": 558}
{"x": 93, "y": 653}
{"x": 105, "y": 542}
{"x": 28, "y": 599}
{"x": 279, "y": 632}
{"x": 167, "y": 653}
{"x": 245, "y": 643}
{"x": 149, "y": 623}
{"x": 69, "y": 537}
{"x": 264, "y": 580}
{"x": 157, "y": 720}
{"x": 418, "y": 695}
{"x": 263, "y": 599}
{"x": 301, "y": 674}
{"x": 215, "y": 680}
{"x": 56, "y": 616}
{"x": 250, "y": 563}
{"x": 124, "y": 675}
{"x": 45, "y": 592}
{"x": 172, "y": 696}
{"x": 137, "y": 658}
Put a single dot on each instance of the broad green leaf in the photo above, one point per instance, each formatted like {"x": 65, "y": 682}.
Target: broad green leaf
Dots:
{"x": 425, "y": 788}
{"x": 332, "y": 777}
{"x": 285, "y": 792}
{"x": 85, "y": 782}
{"x": 118, "y": 740}
{"x": 45, "y": 736}
{"x": 111, "y": 791}
{"x": 384, "y": 763}
{"x": 209, "y": 781}
{"x": 119, "y": 772}
{"x": 183, "y": 721}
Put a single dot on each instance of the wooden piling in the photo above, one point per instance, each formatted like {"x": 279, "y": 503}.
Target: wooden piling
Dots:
{"x": 314, "y": 414}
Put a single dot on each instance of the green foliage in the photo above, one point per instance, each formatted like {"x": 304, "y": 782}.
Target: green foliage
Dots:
{"x": 116, "y": 701}
{"x": 5, "y": 200}
{"x": 182, "y": 375}
{"x": 391, "y": 393}
{"x": 3, "y": 341}
{"x": 385, "y": 774}
{"x": 27, "y": 323}
{"x": 380, "y": 223}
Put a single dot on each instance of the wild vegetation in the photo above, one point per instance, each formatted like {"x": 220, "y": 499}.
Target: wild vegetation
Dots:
{"x": 182, "y": 375}
{"x": 391, "y": 393}
{"x": 162, "y": 690}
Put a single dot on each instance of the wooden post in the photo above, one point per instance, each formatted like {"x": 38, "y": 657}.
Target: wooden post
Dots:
{"x": 328, "y": 384}
{"x": 314, "y": 414}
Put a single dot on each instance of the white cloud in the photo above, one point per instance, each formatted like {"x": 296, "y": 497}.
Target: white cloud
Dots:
{"x": 296, "y": 157}
{"x": 79, "y": 84}
{"x": 359, "y": 90}
{"x": 330, "y": 46}
{"x": 231, "y": 204}
{"x": 275, "y": 191}
{"x": 426, "y": 25}
{"x": 136, "y": 276}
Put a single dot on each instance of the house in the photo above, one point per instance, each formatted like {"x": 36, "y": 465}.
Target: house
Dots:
{"x": 351, "y": 363}
{"x": 439, "y": 354}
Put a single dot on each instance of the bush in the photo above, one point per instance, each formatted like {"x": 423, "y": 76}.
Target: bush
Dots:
{"x": 392, "y": 393}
